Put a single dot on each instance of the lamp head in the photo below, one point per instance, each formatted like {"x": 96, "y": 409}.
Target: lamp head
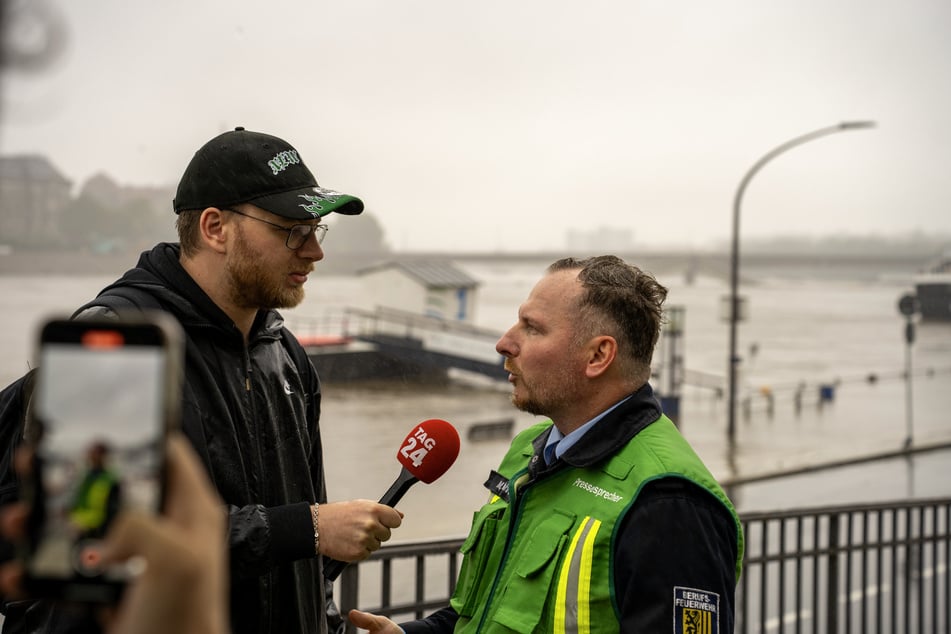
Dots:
{"x": 856, "y": 125}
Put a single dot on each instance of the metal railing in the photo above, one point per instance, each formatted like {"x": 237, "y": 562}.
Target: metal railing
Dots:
{"x": 870, "y": 568}
{"x": 880, "y": 568}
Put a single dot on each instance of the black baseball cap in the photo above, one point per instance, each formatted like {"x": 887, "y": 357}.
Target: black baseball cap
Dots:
{"x": 251, "y": 167}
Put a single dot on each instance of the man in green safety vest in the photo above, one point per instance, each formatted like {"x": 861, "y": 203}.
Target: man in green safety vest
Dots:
{"x": 96, "y": 501}
{"x": 602, "y": 518}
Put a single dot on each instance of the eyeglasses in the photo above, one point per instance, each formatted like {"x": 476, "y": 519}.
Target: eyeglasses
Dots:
{"x": 296, "y": 234}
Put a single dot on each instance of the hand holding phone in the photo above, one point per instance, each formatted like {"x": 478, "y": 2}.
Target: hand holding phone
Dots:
{"x": 184, "y": 587}
{"x": 107, "y": 394}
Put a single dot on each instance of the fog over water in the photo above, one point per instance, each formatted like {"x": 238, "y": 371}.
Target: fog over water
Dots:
{"x": 806, "y": 329}
{"x": 503, "y": 126}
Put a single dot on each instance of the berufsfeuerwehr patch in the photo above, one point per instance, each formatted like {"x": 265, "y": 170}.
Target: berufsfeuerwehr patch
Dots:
{"x": 696, "y": 611}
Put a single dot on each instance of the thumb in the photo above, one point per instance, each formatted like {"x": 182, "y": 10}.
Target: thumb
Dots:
{"x": 371, "y": 622}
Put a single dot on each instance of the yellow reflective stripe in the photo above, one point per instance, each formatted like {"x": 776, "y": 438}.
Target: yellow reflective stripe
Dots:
{"x": 561, "y": 599}
{"x": 584, "y": 578}
{"x": 572, "y": 601}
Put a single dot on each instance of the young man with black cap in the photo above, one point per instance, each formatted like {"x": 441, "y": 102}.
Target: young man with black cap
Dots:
{"x": 249, "y": 224}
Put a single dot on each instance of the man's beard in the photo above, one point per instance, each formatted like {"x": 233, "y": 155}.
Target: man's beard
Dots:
{"x": 253, "y": 285}
{"x": 545, "y": 400}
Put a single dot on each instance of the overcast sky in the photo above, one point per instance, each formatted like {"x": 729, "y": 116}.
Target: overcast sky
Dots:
{"x": 502, "y": 125}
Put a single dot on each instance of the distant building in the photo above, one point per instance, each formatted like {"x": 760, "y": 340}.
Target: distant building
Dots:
{"x": 433, "y": 288}
{"x": 33, "y": 197}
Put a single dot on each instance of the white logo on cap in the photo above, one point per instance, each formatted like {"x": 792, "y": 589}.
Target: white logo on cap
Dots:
{"x": 281, "y": 161}
{"x": 320, "y": 195}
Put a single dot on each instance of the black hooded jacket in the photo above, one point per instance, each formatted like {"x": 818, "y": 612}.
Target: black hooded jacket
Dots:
{"x": 251, "y": 412}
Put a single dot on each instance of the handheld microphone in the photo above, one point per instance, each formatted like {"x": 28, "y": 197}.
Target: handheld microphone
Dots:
{"x": 425, "y": 454}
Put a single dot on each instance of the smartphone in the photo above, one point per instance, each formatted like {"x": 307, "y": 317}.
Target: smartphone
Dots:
{"x": 107, "y": 393}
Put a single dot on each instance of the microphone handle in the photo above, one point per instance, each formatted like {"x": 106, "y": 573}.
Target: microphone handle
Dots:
{"x": 333, "y": 567}
{"x": 399, "y": 487}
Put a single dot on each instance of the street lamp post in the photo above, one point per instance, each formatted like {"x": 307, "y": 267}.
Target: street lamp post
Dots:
{"x": 908, "y": 306}
{"x": 733, "y": 360}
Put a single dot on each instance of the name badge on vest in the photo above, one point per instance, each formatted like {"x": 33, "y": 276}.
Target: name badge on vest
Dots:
{"x": 498, "y": 484}
{"x": 696, "y": 611}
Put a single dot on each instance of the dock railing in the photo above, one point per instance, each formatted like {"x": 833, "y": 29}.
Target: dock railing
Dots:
{"x": 880, "y": 568}
{"x": 420, "y": 345}
{"x": 357, "y": 322}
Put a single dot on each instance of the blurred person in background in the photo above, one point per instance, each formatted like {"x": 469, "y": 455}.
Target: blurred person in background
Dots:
{"x": 97, "y": 498}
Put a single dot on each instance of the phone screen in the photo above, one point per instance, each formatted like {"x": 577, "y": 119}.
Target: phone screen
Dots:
{"x": 101, "y": 405}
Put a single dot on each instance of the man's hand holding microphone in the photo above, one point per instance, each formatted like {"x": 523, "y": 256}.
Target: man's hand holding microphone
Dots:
{"x": 425, "y": 454}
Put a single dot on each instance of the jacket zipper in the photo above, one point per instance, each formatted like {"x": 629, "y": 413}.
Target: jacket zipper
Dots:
{"x": 519, "y": 493}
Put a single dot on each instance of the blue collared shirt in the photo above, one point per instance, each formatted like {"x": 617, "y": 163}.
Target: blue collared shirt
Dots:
{"x": 558, "y": 444}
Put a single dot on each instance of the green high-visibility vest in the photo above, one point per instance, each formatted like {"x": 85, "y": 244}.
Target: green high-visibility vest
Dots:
{"x": 549, "y": 569}
{"x": 92, "y": 500}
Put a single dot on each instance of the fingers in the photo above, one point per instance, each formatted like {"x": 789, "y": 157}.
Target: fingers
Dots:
{"x": 184, "y": 585}
{"x": 391, "y": 517}
{"x": 350, "y": 531}
{"x": 162, "y": 543}
{"x": 13, "y": 528}
{"x": 11, "y": 580}
{"x": 23, "y": 461}
{"x": 193, "y": 508}
{"x": 13, "y": 520}
{"x": 373, "y": 623}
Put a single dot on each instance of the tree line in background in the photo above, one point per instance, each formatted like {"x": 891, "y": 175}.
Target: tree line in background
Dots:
{"x": 89, "y": 224}
{"x": 38, "y": 211}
